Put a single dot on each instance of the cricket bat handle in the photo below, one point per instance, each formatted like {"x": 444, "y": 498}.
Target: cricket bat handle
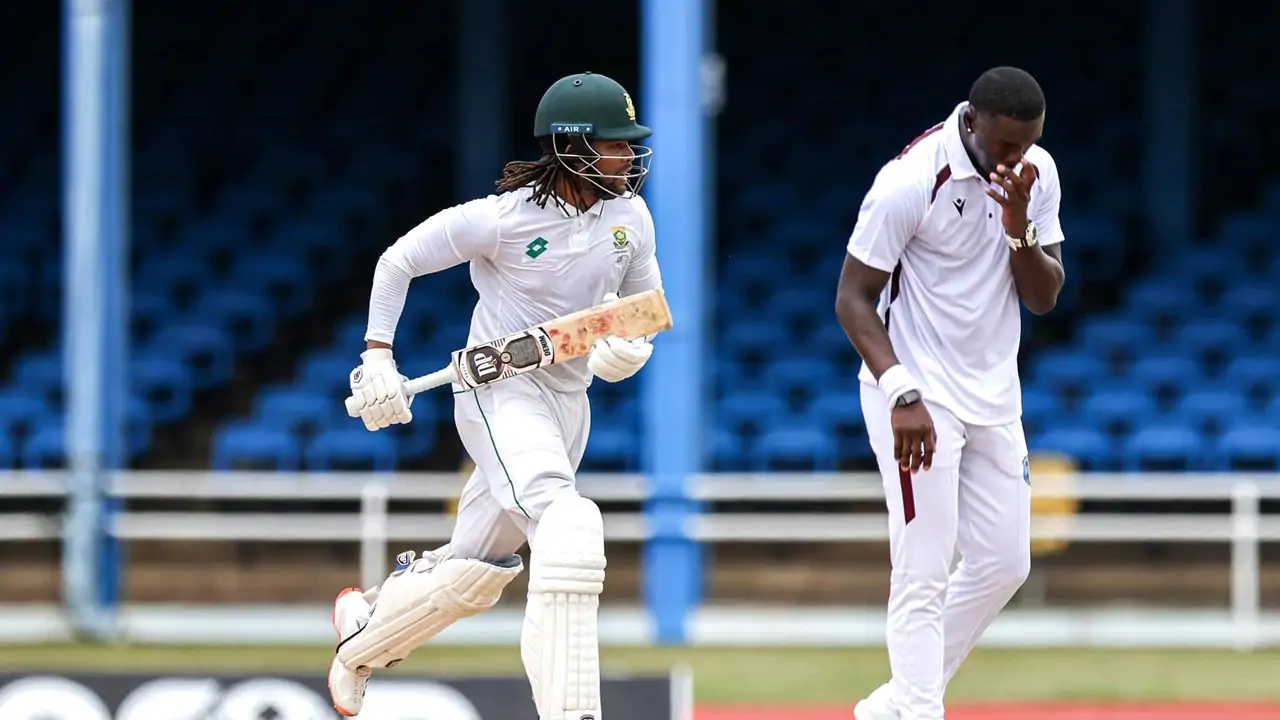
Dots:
{"x": 443, "y": 376}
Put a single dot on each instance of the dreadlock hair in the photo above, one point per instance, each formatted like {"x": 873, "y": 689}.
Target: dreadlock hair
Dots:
{"x": 544, "y": 174}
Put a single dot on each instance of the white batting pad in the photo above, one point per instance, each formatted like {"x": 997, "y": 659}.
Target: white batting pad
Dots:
{"x": 560, "y": 640}
{"x": 419, "y": 600}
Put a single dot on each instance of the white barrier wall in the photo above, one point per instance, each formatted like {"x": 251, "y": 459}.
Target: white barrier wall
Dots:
{"x": 380, "y": 533}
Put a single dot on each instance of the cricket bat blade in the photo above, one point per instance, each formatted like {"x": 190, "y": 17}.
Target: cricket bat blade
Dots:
{"x": 555, "y": 341}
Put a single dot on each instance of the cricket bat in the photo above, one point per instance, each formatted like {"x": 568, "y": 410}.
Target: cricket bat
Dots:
{"x": 555, "y": 341}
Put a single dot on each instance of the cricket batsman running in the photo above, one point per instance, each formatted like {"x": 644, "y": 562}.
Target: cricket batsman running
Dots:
{"x": 952, "y": 234}
{"x": 564, "y": 233}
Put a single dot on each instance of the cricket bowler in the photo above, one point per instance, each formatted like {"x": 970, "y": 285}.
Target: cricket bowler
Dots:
{"x": 952, "y": 234}
{"x": 563, "y": 234}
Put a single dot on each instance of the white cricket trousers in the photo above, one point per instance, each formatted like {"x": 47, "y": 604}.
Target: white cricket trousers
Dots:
{"x": 977, "y": 498}
{"x": 526, "y": 441}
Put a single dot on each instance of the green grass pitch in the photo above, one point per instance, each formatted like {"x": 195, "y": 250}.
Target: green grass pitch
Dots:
{"x": 761, "y": 675}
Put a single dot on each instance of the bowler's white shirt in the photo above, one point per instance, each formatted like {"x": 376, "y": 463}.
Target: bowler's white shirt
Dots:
{"x": 950, "y": 305}
{"x": 528, "y": 265}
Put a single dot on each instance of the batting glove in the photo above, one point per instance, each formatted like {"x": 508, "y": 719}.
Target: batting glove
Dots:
{"x": 613, "y": 358}
{"x": 378, "y": 387}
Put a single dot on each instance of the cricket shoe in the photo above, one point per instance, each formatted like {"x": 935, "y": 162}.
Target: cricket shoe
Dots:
{"x": 346, "y": 687}
{"x": 876, "y": 706}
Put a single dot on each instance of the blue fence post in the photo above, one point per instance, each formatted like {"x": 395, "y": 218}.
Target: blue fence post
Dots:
{"x": 95, "y": 202}
{"x": 670, "y": 102}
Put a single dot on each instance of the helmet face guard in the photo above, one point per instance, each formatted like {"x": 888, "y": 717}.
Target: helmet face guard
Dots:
{"x": 580, "y": 108}
{"x": 567, "y": 139}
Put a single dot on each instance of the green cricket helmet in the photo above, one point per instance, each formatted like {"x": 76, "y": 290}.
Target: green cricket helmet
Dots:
{"x": 587, "y": 106}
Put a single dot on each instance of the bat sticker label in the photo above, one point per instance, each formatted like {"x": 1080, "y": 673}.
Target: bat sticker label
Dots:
{"x": 484, "y": 364}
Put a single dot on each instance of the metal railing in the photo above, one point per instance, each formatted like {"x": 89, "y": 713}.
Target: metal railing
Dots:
{"x": 374, "y": 525}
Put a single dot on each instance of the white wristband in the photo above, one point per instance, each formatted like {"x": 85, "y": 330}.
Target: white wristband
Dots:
{"x": 896, "y": 381}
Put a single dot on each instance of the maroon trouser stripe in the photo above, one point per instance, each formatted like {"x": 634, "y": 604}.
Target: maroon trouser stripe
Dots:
{"x": 908, "y": 496}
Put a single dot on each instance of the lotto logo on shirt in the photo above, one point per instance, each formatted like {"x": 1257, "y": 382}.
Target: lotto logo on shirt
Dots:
{"x": 536, "y": 248}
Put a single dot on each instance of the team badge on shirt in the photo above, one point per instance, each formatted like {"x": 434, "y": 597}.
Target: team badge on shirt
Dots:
{"x": 619, "y": 237}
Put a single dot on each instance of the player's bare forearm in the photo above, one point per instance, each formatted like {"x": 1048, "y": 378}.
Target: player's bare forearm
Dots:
{"x": 860, "y": 287}
{"x": 1038, "y": 274}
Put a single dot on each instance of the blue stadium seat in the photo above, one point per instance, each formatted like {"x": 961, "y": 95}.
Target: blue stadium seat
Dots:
{"x": 754, "y": 337}
{"x": 626, "y": 412}
{"x": 1160, "y": 300}
{"x": 8, "y": 454}
{"x": 179, "y": 277}
{"x": 841, "y": 412}
{"x": 249, "y": 317}
{"x": 1113, "y": 337}
{"x": 1118, "y": 412}
{"x": 730, "y": 452}
{"x": 749, "y": 345}
{"x": 149, "y": 311}
{"x": 447, "y": 337}
{"x": 1242, "y": 230}
{"x": 45, "y": 448}
{"x": 255, "y": 446}
{"x": 751, "y": 271}
{"x": 319, "y": 244}
{"x": 164, "y": 383}
{"x": 328, "y": 374}
{"x": 206, "y": 352}
{"x": 749, "y": 412}
{"x": 829, "y": 341}
{"x": 1069, "y": 373}
{"x": 40, "y": 374}
{"x": 352, "y": 448}
{"x": 1089, "y": 449}
{"x": 612, "y": 449}
{"x": 1164, "y": 448}
{"x": 1166, "y": 377}
{"x": 418, "y": 438}
{"x": 350, "y": 336}
{"x": 1257, "y": 376}
{"x": 1211, "y": 411}
{"x": 802, "y": 377}
{"x": 138, "y": 426}
{"x": 1245, "y": 301}
{"x": 796, "y": 448}
{"x": 21, "y": 413}
{"x": 1206, "y": 269}
{"x": 1040, "y": 410}
{"x": 298, "y": 410}
{"x": 1249, "y": 447}
{"x": 1212, "y": 340}
{"x": 802, "y": 305}
{"x": 276, "y": 275}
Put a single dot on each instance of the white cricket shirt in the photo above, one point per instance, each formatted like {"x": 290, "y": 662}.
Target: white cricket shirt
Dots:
{"x": 528, "y": 265}
{"x": 950, "y": 306}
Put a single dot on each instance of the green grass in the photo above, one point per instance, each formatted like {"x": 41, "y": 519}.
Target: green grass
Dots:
{"x": 761, "y": 675}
